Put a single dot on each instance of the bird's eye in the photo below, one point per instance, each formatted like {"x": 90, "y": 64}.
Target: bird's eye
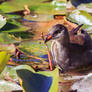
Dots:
{"x": 58, "y": 31}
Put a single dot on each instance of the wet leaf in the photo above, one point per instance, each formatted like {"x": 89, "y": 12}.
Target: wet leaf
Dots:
{"x": 81, "y": 17}
{"x": 43, "y": 81}
{"x": 85, "y": 7}
{"x": 2, "y": 21}
{"x": 54, "y": 7}
{"x": 6, "y": 38}
{"x": 38, "y": 17}
{"x": 6, "y": 86}
{"x": 10, "y": 71}
{"x": 13, "y": 26}
{"x": 4, "y": 57}
{"x": 16, "y": 30}
{"x": 38, "y": 6}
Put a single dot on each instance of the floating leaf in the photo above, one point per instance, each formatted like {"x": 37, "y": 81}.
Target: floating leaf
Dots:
{"x": 2, "y": 21}
{"x": 85, "y": 7}
{"x": 81, "y": 17}
{"x": 54, "y": 7}
{"x": 38, "y": 6}
{"x": 16, "y": 29}
{"x": 6, "y": 86}
{"x": 43, "y": 81}
{"x": 6, "y": 38}
{"x": 13, "y": 26}
{"x": 4, "y": 57}
{"x": 9, "y": 71}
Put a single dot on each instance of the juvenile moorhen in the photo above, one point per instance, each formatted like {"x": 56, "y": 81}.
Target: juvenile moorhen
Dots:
{"x": 66, "y": 54}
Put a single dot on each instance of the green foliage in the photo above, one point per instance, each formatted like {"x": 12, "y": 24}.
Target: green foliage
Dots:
{"x": 54, "y": 7}
{"x": 4, "y": 57}
{"x": 13, "y": 26}
{"x": 15, "y": 29}
{"x": 5, "y": 85}
{"x": 43, "y": 81}
{"x": 38, "y": 6}
{"x": 81, "y": 17}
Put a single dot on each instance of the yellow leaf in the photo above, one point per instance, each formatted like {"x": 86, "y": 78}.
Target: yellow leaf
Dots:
{"x": 4, "y": 57}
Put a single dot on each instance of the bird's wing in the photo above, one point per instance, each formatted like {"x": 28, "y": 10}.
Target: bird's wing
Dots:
{"x": 82, "y": 39}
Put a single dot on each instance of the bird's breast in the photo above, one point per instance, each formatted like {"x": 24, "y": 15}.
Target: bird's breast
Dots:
{"x": 59, "y": 52}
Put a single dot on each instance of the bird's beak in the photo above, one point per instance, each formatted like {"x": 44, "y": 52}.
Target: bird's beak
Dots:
{"x": 49, "y": 37}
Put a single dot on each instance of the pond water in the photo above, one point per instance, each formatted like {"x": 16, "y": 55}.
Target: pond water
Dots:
{"x": 27, "y": 32}
{"x": 34, "y": 46}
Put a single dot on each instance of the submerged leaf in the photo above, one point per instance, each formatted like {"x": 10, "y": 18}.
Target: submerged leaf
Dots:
{"x": 34, "y": 47}
{"x": 43, "y": 81}
{"x": 5, "y": 38}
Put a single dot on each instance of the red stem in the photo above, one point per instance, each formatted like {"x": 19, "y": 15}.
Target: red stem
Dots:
{"x": 49, "y": 55}
{"x": 50, "y": 61}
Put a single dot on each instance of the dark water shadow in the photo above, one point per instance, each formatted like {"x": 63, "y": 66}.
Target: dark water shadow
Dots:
{"x": 23, "y": 35}
{"x": 9, "y": 26}
{"x": 78, "y": 2}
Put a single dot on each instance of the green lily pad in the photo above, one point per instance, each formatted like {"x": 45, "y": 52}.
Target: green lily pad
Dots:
{"x": 13, "y": 26}
{"x": 81, "y": 17}
{"x": 38, "y": 6}
{"x": 16, "y": 30}
{"x": 4, "y": 57}
{"x": 43, "y": 81}
{"x": 85, "y": 7}
{"x": 6, "y": 85}
{"x": 54, "y": 7}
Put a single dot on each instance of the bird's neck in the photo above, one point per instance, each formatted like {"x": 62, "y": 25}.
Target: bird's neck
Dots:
{"x": 63, "y": 45}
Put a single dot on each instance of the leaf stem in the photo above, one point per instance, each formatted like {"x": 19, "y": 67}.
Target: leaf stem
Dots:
{"x": 49, "y": 54}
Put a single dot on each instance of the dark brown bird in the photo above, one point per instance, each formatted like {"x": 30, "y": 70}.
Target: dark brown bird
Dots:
{"x": 66, "y": 53}
{"x": 81, "y": 38}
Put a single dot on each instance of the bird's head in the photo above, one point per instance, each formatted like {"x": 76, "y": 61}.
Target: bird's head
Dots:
{"x": 57, "y": 32}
